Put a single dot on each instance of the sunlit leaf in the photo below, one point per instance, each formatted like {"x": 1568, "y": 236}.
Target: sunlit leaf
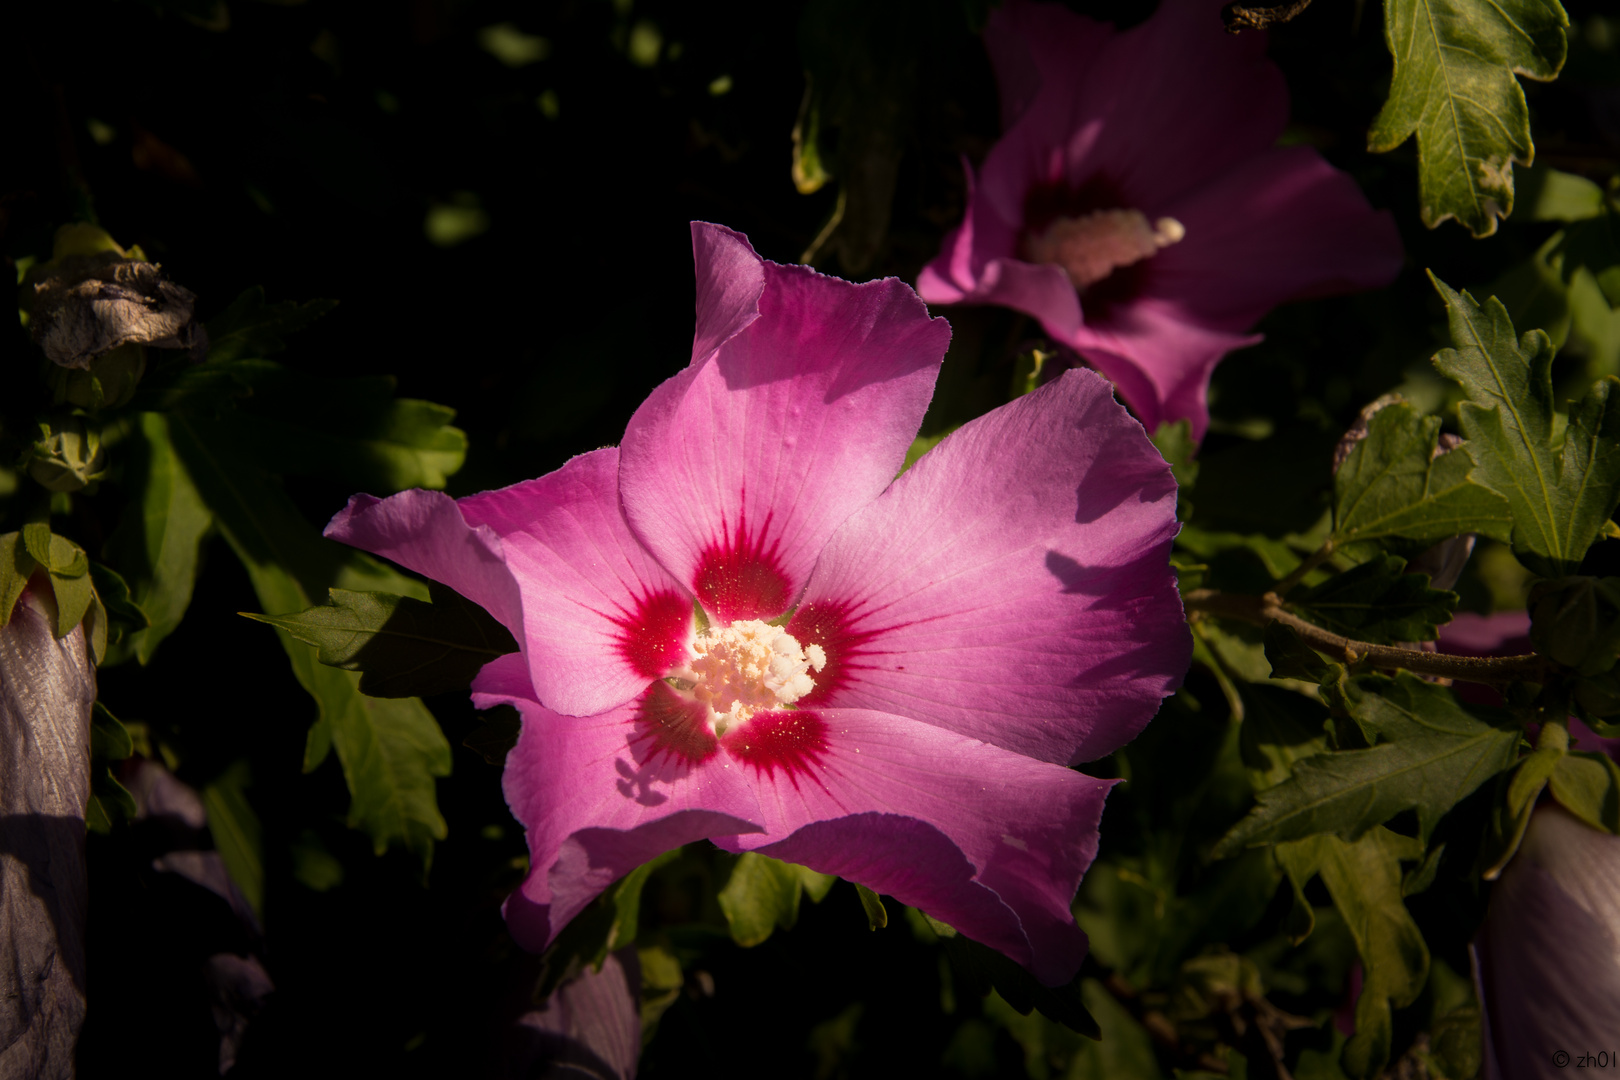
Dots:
{"x": 1454, "y": 88}
{"x": 762, "y": 895}
{"x": 1560, "y": 495}
{"x": 1395, "y": 483}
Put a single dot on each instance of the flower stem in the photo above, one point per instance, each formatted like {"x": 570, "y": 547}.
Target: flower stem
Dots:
{"x": 1312, "y": 561}
{"x": 1264, "y": 610}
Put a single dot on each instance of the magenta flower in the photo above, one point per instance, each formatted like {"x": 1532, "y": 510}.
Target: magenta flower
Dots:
{"x": 1138, "y": 205}
{"x": 740, "y": 625}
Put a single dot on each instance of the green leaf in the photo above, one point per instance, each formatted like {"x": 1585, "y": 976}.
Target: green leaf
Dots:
{"x": 1289, "y": 656}
{"x": 1280, "y": 729}
{"x": 401, "y": 647}
{"x": 252, "y": 328}
{"x": 762, "y": 894}
{"x": 1377, "y": 602}
{"x": 610, "y": 922}
{"x": 113, "y": 591}
{"x": 1364, "y": 879}
{"x": 1546, "y": 194}
{"x": 1588, "y": 786}
{"x": 391, "y": 749}
{"x": 978, "y": 969}
{"x": 876, "y": 917}
{"x": 1561, "y": 496}
{"x": 1393, "y": 484}
{"x": 1433, "y": 752}
{"x": 315, "y": 867}
{"x": 158, "y": 543}
{"x": 16, "y": 566}
{"x": 109, "y": 738}
{"x": 236, "y": 832}
{"x": 1179, "y": 448}
{"x": 1454, "y": 88}
{"x": 354, "y": 430}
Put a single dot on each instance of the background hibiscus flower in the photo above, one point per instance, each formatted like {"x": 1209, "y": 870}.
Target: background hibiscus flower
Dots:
{"x": 1139, "y": 206}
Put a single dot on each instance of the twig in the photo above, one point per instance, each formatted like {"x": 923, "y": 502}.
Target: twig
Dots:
{"x": 1239, "y": 18}
{"x": 1267, "y": 609}
{"x": 1312, "y": 561}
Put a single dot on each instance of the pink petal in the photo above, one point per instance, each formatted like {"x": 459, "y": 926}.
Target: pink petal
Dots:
{"x": 989, "y": 841}
{"x": 1040, "y": 50}
{"x": 601, "y": 617}
{"x": 1160, "y": 359}
{"x": 729, "y": 281}
{"x": 1506, "y": 633}
{"x": 1284, "y": 225}
{"x": 600, "y": 795}
{"x": 1014, "y": 585}
{"x": 736, "y": 471}
{"x": 424, "y": 531}
{"x": 1158, "y": 110}
{"x": 970, "y": 269}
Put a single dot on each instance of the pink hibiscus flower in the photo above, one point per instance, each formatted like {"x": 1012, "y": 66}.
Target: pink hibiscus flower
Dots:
{"x": 1138, "y": 205}
{"x": 740, "y": 625}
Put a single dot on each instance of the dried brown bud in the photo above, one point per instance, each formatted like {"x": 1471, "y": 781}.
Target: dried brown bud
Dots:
{"x": 91, "y": 304}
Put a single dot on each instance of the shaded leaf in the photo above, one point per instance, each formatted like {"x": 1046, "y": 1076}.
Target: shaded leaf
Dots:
{"x": 762, "y": 894}
{"x": 249, "y": 327}
{"x": 1560, "y": 495}
{"x": 496, "y": 735}
{"x": 1393, "y": 484}
{"x": 1364, "y": 879}
{"x": 237, "y": 834}
{"x": 1454, "y": 88}
{"x": 355, "y": 430}
{"x": 401, "y": 647}
{"x": 610, "y": 922}
{"x": 1433, "y": 752}
{"x": 390, "y": 749}
{"x": 1588, "y": 786}
{"x": 158, "y": 542}
{"x": 1289, "y": 656}
{"x": 1377, "y": 602}
{"x": 980, "y": 969}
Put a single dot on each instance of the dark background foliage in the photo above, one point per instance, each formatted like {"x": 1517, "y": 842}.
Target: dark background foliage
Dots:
{"x": 511, "y": 240}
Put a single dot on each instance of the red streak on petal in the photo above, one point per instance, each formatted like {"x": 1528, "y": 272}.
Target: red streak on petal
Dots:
{"x": 830, "y": 624}
{"x": 792, "y": 740}
{"x": 740, "y": 578}
{"x": 676, "y": 727}
{"x": 653, "y": 640}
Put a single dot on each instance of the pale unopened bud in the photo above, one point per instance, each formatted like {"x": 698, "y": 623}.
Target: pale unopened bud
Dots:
{"x": 47, "y": 687}
{"x": 1548, "y": 955}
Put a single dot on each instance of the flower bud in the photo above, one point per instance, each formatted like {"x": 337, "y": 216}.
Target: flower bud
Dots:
{"x": 1548, "y": 955}
{"x": 47, "y": 686}
{"x": 108, "y": 382}
{"x": 67, "y": 456}
{"x": 93, "y": 297}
